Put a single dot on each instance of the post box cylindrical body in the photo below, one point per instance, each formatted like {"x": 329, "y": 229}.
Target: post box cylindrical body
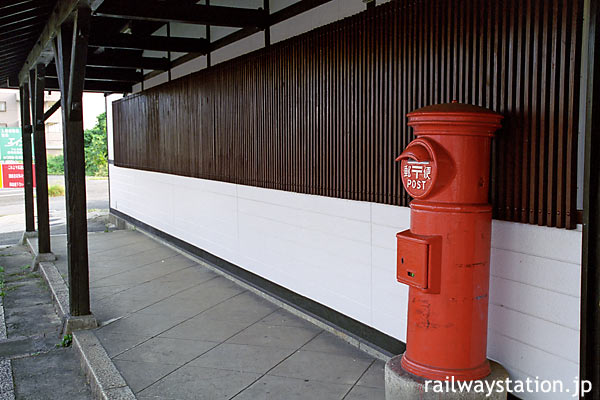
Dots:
{"x": 444, "y": 257}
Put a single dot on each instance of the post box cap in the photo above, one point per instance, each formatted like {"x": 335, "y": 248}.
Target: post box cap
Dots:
{"x": 450, "y": 117}
{"x": 455, "y": 108}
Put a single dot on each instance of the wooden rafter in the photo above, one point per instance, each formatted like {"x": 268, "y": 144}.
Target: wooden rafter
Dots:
{"x": 157, "y": 43}
{"x": 102, "y": 74}
{"x": 42, "y": 52}
{"x": 184, "y": 12}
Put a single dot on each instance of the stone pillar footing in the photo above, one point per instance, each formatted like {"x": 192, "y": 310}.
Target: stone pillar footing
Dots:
{"x": 42, "y": 257}
{"x": 402, "y": 385}
{"x": 80, "y": 322}
{"x": 26, "y": 235}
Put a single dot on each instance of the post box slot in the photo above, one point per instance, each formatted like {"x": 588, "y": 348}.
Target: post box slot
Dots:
{"x": 413, "y": 260}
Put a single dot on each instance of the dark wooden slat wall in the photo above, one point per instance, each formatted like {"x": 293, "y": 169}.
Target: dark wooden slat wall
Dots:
{"x": 325, "y": 112}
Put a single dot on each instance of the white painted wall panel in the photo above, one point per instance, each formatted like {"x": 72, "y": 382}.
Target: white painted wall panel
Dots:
{"x": 341, "y": 253}
{"x": 318, "y": 16}
{"x": 236, "y": 49}
{"x": 523, "y": 360}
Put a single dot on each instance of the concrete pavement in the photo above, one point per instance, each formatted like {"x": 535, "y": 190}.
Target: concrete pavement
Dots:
{"x": 31, "y": 364}
{"x": 175, "y": 329}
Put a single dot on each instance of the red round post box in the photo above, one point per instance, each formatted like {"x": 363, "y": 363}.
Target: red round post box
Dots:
{"x": 445, "y": 255}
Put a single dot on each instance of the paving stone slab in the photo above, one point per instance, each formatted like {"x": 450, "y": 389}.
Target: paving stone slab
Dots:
{"x": 194, "y": 273}
{"x": 142, "y": 324}
{"x": 140, "y": 375}
{"x": 199, "y": 328}
{"x": 282, "y": 317}
{"x": 365, "y": 393}
{"x": 213, "y": 291}
{"x": 277, "y": 388}
{"x": 329, "y": 343}
{"x": 287, "y": 337}
{"x": 167, "y": 351}
{"x": 196, "y": 383}
{"x": 117, "y": 343}
{"x": 238, "y": 357}
{"x": 323, "y": 367}
{"x": 247, "y": 307}
{"x": 176, "y": 306}
{"x": 375, "y": 375}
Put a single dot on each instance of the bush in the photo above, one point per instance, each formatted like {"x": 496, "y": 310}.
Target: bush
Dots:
{"x": 56, "y": 165}
{"x": 95, "y": 147}
{"x": 95, "y": 143}
{"x": 56, "y": 190}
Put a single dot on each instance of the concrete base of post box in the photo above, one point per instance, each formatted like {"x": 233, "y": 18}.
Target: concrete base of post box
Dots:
{"x": 401, "y": 385}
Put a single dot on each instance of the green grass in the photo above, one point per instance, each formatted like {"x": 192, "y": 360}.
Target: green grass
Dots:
{"x": 66, "y": 341}
{"x": 56, "y": 190}
{"x": 2, "y": 284}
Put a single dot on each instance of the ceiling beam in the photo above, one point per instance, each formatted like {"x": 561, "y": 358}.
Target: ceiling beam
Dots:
{"x": 165, "y": 11}
{"x": 103, "y": 74}
{"x": 42, "y": 51}
{"x": 157, "y": 43}
{"x": 94, "y": 86}
{"x": 101, "y": 60}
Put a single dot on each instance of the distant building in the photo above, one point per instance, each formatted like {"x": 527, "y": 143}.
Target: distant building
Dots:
{"x": 10, "y": 115}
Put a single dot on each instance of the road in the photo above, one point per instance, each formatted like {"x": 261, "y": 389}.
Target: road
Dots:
{"x": 12, "y": 211}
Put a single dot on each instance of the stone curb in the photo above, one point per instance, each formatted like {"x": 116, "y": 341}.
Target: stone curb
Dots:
{"x": 60, "y": 292}
{"x": 7, "y": 391}
{"x": 2, "y": 324}
{"x": 105, "y": 380}
{"x": 60, "y": 296}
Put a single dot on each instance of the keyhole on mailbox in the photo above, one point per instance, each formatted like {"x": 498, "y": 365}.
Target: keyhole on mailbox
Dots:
{"x": 402, "y": 260}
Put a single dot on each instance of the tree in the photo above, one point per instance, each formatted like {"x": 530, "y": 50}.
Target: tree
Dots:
{"x": 95, "y": 145}
{"x": 95, "y": 148}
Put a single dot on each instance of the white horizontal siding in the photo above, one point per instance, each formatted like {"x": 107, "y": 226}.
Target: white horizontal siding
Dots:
{"x": 341, "y": 253}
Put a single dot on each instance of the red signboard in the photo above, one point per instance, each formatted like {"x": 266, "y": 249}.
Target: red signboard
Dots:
{"x": 12, "y": 176}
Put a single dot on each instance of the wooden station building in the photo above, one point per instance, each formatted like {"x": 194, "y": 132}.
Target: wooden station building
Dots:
{"x": 261, "y": 135}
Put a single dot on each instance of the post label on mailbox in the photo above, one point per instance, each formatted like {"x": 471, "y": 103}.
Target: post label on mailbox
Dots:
{"x": 418, "y": 177}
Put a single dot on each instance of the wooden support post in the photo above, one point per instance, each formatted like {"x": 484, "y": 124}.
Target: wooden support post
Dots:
{"x": 589, "y": 341}
{"x": 27, "y": 158}
{"x": 37, "y": 85}
{"x": 70, "y": 49}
